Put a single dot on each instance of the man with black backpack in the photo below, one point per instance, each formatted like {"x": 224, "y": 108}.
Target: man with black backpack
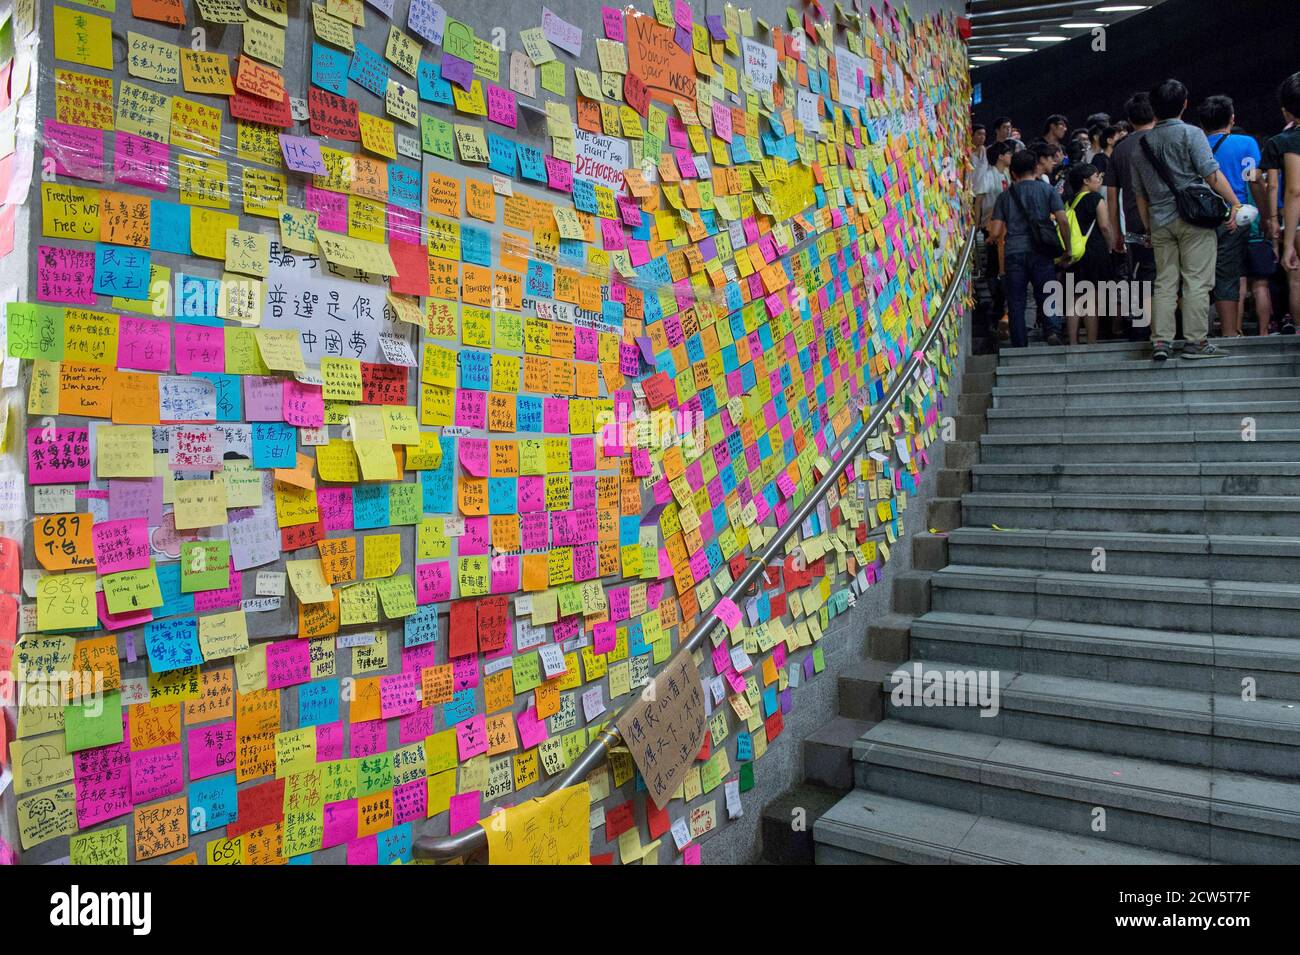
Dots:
{"x": 1183, "y": 198}
{"x": 1031, "y": 230}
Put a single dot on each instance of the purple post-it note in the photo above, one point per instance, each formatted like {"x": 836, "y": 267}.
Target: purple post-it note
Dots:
{"x": 716, "y": 29}
{"x": 302, "y": 154}
{"x": 458, "y": 71}
{"x": 682, "y": 38}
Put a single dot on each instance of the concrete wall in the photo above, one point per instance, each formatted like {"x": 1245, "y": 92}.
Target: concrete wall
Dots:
{"x": 813, "y": 702}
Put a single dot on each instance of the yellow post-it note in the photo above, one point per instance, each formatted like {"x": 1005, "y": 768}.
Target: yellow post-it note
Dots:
{"x": 281, "y": 349}
{"x": 383, "y": 555}
{"x": 203, "y": 72}
{"x": 223, "y": 635}
{"x": 208, "y": 230}
{"x": 81, "y": 37}
{"x": 307, "y": 578}
{"x": 377, "y": 135}
{"x": 200, "y": 504}
{"x": 552, "y": 830}
{"x": 247, "y": 252}
{"x": 298, "y": 229}
{"x": 65, "y": 601}
{"x": 124, "y": 451}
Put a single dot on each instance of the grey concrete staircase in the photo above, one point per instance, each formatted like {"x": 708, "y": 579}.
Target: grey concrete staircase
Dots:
{"x": 1124, "y": 560}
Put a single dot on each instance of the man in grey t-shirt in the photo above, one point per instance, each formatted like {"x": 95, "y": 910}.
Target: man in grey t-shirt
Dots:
{"x": 1184, "y": 253}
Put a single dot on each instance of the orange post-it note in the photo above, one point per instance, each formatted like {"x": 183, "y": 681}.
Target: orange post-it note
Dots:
{"x": 63, "y": 541}
{"x": 203, "y": 72}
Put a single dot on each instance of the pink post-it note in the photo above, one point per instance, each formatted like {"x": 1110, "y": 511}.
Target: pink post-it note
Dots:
{"x": 605, "y": 638}
{"x": 340, "y": 824}
{"x": 613, "y": 21}
{"x": 200, "y": 348}
{"x": 559, "y": 174}
{"x": 465, "y": 811}
{"x": 121, "y": 545}
{"x": 302, "y": 154}
{"x": 471, "y": 737}
{"x": 364, "y": 851}
{"x": 140, "y": 162}
{"x": 144, "y": 344}
{"x": 532, "y": 731}
{"x": 501, "y": 105}
{"x": 65, "y": 275}
{"x": 58, "y": 457}
{"x": 303, "y": 404}
{"x": 76, "y": 151}
{"x": 691, "y": 854}
{"x": 727, "y": 611}
{"x": 212, "y": 749}
{"x": 474, "y": 456}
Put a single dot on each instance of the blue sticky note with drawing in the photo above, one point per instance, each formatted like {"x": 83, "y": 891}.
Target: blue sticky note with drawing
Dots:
{"x": 329, "y": 69}
{"x": 121, "y": 270}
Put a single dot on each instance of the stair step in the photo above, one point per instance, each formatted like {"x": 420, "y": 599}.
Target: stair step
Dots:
{"x": 1178, "y": 659}
{"x": 1276, "y": 478}
{"x": 1111, "y": 352}
{"x": 1208, "y": 813}
{"x": 867, "y": 827}
{"x": 1172, "y": 514}
{"x": 1163, "y": 603}
{"x": 1161, "y": 391}
{"x": 1261, "y": 737}
{"x": 1143, "y": 447}
{"x": 786, "y": 824}
{"x": 1261, "y": 416}
{"x": 1137, "y": 374}
{"x": 1210, "y": 557}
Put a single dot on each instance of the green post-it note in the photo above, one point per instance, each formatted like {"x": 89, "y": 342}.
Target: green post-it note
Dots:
{"x": 553, "y": 77}
{"x": 95, "y": 721}
{"x": 397, "y": 595}
{"x": 437, "y": 137}
{"x": 819, "y": 660}
{"x": 205, "y": 565}
{"x": 404, "y": 504}
{"x": 132, "y": 590}
{"x": 35, "y": 331}
{"x": 746, "y": 777}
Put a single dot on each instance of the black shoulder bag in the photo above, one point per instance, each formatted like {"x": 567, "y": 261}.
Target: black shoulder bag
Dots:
{"x": 1043, "y": 234}
{"x": 1197, "y": 203}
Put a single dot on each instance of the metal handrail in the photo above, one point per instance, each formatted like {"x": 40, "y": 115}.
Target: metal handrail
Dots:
{"x": 475, "y": 838}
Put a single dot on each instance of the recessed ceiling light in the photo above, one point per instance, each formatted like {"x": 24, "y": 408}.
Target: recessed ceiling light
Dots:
{"x": 1081, "y": 26}
{"x": 1045, "y": 39}
{"x": 1015, "y": 49}
{"x": 988, "y": 59}
{"x": 1122, "y": 8}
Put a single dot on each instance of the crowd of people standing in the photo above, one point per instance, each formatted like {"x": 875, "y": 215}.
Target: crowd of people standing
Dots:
{"x": 1189, "y": 216}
